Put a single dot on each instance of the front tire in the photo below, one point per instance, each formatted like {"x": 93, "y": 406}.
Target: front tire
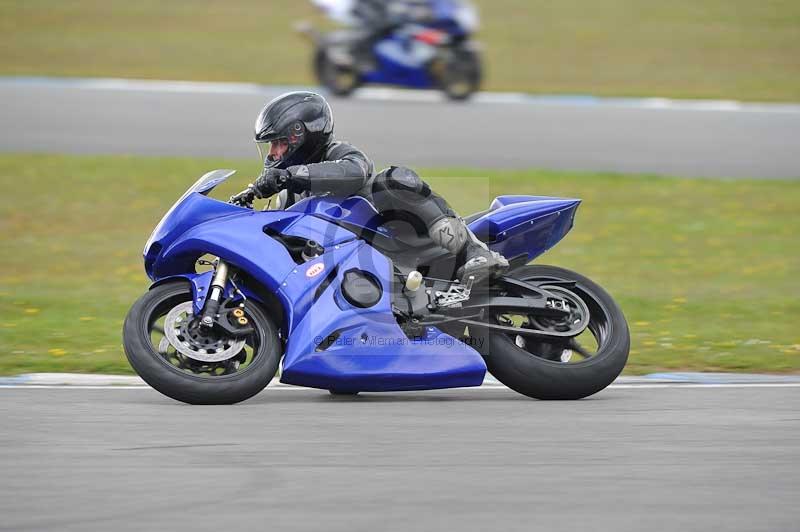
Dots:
{"x": 185, "y": 379}
{"x": 537, "y": 368}
{"x": 340, "y": 80}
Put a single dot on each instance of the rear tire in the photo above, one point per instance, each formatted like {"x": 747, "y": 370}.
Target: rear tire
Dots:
{"x": 461, "y": 74}
{"x": 183, "y": 385}
{"x": 543, "y": 376}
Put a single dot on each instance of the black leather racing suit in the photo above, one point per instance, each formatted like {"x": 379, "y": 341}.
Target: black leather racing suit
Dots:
{"x": 341, "y": 169}
{"x": 344, "y": 170}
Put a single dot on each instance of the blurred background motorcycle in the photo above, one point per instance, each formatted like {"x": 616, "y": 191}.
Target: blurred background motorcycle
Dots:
{"x": 410, "y": 43}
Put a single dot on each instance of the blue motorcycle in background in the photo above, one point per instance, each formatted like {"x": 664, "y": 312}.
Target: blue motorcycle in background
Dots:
{"x": 335, "y": 296}
{"x": 438, "y": 53}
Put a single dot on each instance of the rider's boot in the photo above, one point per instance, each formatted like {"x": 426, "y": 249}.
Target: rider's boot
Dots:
{"x": 480, "y": 262}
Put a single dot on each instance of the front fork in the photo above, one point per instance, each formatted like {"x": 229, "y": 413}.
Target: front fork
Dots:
{"x": 215, "y": 293}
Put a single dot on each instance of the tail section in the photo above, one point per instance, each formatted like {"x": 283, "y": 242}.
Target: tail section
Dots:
{"x": 530, "y": 225}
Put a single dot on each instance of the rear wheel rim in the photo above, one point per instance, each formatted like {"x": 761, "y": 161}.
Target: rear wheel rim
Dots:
{"x": 459, "y": 77}
{"x": 581, "y": 349}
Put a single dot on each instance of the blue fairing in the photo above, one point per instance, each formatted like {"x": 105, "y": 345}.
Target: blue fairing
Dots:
{"x": 397, "y": 67}
{"x": 398, "y": 63}
{"x": 528, "y": 225}
{"x": 355, "y": 211}
{"x": 368, "y": 350}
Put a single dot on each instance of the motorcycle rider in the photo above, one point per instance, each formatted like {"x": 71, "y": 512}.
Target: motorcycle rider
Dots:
{"x": 294, "y": 136}
{"x": 377, "y": 19}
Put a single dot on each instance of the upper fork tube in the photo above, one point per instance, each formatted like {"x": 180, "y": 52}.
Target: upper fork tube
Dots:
{"x": 215, "y": 294}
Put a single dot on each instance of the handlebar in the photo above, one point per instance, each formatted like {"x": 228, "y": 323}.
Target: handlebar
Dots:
{"x": 245, "y": 197}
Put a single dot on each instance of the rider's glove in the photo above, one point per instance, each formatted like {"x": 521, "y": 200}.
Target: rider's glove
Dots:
{"x": 300, "y": 180}
{"x": 244, "y": 198}
{"x": 271, "y": 181}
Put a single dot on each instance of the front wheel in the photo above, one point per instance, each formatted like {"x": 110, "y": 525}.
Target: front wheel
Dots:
{"x": 341, "y": 80}
{"x": 168, "y": 349}
{"x": 561, "y": 367}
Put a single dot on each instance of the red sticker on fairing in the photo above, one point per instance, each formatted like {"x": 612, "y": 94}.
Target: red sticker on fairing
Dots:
{"x": 315, "y": 269}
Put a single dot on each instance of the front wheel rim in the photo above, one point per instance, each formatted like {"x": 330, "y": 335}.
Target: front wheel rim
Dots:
{"x": 243, "y": 360}
{"x": 338, "y": 79}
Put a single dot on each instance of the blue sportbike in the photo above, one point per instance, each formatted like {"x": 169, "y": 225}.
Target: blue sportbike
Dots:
{"x": 329, "y": 294}
{"x": 437, "y": 54}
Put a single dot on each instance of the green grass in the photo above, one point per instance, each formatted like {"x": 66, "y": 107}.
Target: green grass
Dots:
{"x": 706, "y": 271}
{"x": 742, "y": 49}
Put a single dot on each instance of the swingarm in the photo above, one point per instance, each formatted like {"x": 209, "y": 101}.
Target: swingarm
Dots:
{"x": 458, "y": 303}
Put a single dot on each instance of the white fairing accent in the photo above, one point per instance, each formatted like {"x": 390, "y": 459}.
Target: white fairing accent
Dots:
{"x": 467, "y": 17}
{"x": 338, "y": 10}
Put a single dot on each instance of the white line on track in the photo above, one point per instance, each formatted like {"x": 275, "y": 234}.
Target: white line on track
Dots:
{"x": 285, "y": 388}
{"x": 398, "y": 95}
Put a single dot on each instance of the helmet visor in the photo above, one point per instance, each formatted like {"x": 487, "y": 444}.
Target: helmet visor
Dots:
{"x": 273, "y": 151}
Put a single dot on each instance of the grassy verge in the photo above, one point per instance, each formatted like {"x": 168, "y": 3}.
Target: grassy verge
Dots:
{"x": 743, "y": 49}
{"x": 706, "y": 271}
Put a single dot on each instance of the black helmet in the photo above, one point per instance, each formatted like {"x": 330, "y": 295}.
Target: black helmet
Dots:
{"x": 303, "y": 120}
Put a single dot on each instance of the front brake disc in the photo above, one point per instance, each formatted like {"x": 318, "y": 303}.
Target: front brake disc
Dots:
{"x": 189, "y": 341}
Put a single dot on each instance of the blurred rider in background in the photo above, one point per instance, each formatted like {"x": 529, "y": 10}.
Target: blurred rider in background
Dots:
{"x": 376, "y": 19}
{"x": 294, "y": 136}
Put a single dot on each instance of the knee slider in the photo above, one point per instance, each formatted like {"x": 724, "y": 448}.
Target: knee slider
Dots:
{"x": 449, "y": 233}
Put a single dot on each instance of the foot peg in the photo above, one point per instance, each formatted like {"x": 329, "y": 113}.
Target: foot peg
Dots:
{"x": 455, "y": 295}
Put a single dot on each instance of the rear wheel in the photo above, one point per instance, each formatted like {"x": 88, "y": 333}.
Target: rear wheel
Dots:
{"x": 570, "y": 367}
{"x": 168, "y": 349}
{"x": 459, "y": 74}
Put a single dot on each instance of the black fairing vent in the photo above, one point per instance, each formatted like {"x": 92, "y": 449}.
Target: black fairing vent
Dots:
{"x": 293, "y": 244}
{"x": 328, "y": 341}
{"x": 361, "y": 289}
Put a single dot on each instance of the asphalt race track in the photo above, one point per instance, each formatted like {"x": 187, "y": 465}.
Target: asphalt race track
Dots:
{"x": 629, "y": 459}
{"x": 161, "y": 118}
